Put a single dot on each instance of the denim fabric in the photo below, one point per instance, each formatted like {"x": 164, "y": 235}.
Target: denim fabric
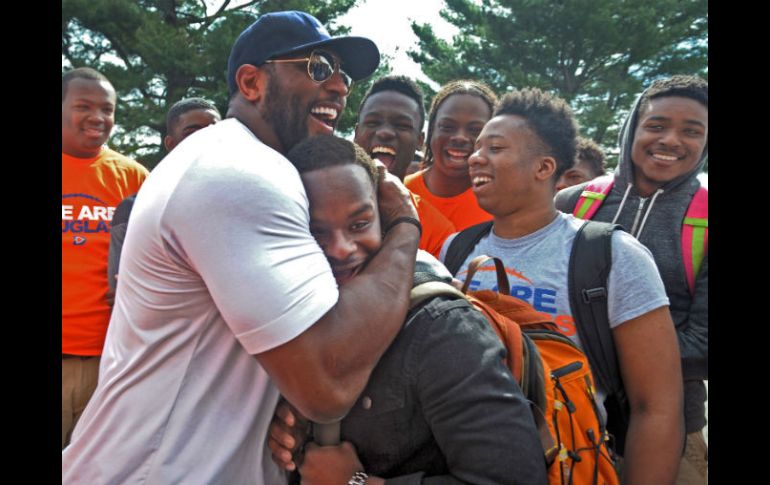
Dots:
{"x": 441, "y": 407}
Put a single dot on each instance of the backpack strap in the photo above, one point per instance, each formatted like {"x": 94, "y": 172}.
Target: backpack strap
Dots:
{"x": 695, "y": 235}
{"x": 502, "y": 278}
{"x": 425, "y": 291}
{"x": 592, "y": 196}
{"x": 694, "y": 227}
{"x": 589, "y": 269}
{"x": 462, "y": 245}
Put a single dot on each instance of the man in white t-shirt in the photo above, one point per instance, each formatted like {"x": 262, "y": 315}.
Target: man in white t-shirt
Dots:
{"x": 520, "y": 154}
{"x": 225, "y": 299}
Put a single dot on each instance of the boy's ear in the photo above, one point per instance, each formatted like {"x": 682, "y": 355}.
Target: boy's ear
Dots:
{"x": 545, "y": 168}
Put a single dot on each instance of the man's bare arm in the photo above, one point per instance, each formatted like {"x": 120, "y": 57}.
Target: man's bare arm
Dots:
{"x": 648, "y": 354}
{"x": 323, "y": 370}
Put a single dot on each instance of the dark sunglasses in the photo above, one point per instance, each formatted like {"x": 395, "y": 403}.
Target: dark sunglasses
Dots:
{"x": 320, "y": 66}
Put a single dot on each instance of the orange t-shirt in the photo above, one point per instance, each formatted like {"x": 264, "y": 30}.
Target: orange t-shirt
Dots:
{"x": 90, "y": 190}
{"x": 462, "y": 210}
{"x": 435, "y": 226}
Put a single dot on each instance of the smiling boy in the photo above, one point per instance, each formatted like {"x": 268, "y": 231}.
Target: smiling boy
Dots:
{"x": 520, "y": 153}
{"x": 389, "y": 128}
{"x": 441, "y": 402}
{"x": 94, "y": 180}
{"x": 664, "y": 146}
{"x": 457, "y": 115}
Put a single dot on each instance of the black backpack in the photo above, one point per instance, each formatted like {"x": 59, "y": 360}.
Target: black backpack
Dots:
{"x": 589, "y": 268}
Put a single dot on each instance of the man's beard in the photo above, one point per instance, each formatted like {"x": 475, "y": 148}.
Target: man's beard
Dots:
{"x": 285, "y": 114}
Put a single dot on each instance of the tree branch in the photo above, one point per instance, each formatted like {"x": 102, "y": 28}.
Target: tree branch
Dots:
{"x": 116, "y": 46}
{"x": 207, "y": 21}
{"x": 210, "y": 19}
{"x": 146, "y": 145}
{"x": 70, "y": 58}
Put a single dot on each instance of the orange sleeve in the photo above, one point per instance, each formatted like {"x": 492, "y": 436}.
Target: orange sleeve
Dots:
{"x": 461, "y": 211}
{"x": 415, "y": 184}
{"x": 435, "y": 226}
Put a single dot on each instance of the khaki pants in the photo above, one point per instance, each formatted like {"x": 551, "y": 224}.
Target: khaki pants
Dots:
{"x": 78, "y": 381}
{"x": 693, "y": 469}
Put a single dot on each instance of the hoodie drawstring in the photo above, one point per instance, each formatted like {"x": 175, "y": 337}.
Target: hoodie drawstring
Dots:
{"x": 647, "y": 212}
{"x": 622, "y": 203}
{"x": 641, "y": 203}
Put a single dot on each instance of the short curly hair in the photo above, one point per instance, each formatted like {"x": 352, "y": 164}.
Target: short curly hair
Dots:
{"x": 591, "y": 153}
{"x": 80, "y": 73}
{"x": 550, "y": 118}
{"x": 188, "y": 104}
{"x": 686, "y": 86}
{"x": 399, "y": 84}
{"x": 324, "y": 151}
{"x": 460, "y": 86}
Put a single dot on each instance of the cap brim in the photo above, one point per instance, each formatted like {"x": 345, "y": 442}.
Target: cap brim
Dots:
{"x": 359, "y": 55}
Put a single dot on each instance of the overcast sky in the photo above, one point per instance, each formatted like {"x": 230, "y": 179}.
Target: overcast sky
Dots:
{"x": 388, "y": 24}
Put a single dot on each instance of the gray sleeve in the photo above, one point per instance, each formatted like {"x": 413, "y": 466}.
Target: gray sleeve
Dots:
{"x": 634, "y": 286}
{"x": 118, "y": 228}
{"x": 474, "y": 407}
{"x": 445, "y": 246}
{"x": 117, "y": 236}
{"x": 693, "y": 333}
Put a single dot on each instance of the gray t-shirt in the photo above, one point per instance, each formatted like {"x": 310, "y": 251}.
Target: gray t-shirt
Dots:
{"x": 537, "y": 271}
{"x": 537, "y": 266}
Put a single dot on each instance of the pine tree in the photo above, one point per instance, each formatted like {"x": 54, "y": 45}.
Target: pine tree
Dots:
{"x": 596, "y": 54}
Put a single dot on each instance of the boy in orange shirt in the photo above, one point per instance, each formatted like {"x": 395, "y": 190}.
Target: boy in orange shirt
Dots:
{"x": 458, "y": 113}
{"x": 94, "y": 180}
{"x": 389, "y": 128}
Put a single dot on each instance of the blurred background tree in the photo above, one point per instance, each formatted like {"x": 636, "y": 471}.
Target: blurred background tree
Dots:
{"x": 156, "y": 52}
{"x": 596, "y": 54}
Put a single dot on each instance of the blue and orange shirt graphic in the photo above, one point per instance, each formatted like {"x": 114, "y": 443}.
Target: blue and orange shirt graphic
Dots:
{"x": 83, "y": 215}
{"x": 542, "y": 297}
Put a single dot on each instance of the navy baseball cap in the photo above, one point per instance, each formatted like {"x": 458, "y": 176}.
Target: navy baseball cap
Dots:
{"x": 281, "y": 33}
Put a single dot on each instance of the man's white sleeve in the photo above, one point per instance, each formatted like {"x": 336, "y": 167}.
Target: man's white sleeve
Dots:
{"x": 247, "y": 236}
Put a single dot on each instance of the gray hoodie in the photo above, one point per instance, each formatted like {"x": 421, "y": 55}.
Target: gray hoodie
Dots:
{"x": 657, "y": 223}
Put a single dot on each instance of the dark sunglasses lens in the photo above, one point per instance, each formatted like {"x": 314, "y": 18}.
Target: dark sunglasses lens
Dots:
{"x": 347, "y": 79}
{"x": 320, "y": 67}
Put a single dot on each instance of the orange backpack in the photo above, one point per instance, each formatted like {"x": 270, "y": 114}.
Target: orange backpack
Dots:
{"x": 553, "y": 374}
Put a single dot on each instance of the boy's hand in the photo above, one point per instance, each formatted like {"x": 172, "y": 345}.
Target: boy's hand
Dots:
{"x": 394, "y": 198}
{"x": 329, "y": 465}
{"x": 286, "y": 435}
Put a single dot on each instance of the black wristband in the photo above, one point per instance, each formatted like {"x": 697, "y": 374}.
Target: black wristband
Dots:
{"x": 410, "y": 220}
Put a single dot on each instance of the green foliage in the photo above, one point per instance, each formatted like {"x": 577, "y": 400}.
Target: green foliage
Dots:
{"x": 156, "y": 52}
{"x": 349, "y": 117}
{"x": 596, "y": 54}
